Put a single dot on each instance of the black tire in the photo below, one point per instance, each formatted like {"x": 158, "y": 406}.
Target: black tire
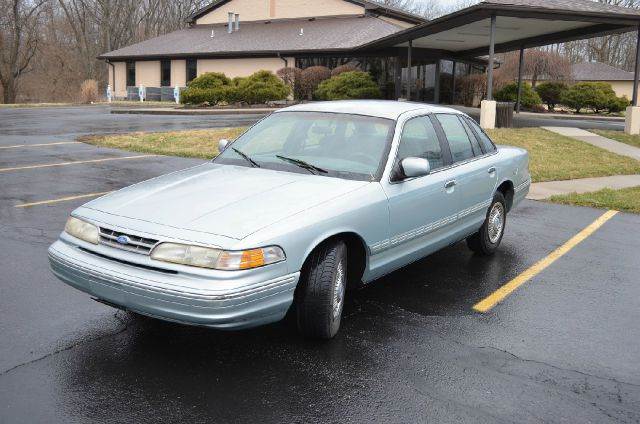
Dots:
{"x": 483, "y": 243}
{"x": 320, "y": 294}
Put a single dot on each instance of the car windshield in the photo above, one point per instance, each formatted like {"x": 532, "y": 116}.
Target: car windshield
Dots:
{"x": 331, "y": 144}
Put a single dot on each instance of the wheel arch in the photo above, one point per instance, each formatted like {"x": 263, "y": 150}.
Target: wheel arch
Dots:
{"x": 357, "y": 254}
{"x": 506, "y": 187}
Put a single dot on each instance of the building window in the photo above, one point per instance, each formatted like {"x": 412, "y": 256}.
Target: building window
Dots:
{"x": 131, "y": 73}
{"x": 165, "y": 73}
{"x": 192, "y": 69}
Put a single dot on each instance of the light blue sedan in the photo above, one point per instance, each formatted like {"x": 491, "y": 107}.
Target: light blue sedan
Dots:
{"x": 309, "y": 201}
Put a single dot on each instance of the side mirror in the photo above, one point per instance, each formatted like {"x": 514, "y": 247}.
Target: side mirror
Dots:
{"x": 222, "y": 144}
{"x": 415, "y": 167}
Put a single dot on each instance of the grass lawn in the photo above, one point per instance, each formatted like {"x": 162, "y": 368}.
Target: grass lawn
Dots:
{"x": 555, "y": 157}
{"x": 191, "y": 143}
{"x": 632, "y": 140}
{"x": 626, "y": 199}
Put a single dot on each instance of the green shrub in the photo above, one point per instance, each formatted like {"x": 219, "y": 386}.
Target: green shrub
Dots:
{"x": 212, "y": 96}
{"x": 210, "y": 80}
{"x": 509, "y": 93}
{"x": 349, "y": 85}
{"x": 261, "y": 87}
{"x": 597, "y": 96}
{"x": 551, "y": 92}
{"x": 211, "y": 88}
{"x": 618, "y": 104}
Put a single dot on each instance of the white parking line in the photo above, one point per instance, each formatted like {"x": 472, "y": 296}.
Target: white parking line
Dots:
{"x": 49, "y": 165}
{"x": 19, "y": 146}
{"x": 62, "y": 199}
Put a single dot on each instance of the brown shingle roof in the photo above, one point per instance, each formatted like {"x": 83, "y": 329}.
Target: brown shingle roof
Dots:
{"x": 262, "y": 38}
{"x": 597, "y": 71}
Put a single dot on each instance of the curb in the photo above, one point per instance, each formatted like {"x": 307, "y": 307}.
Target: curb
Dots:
{"x": 571, "y": 117}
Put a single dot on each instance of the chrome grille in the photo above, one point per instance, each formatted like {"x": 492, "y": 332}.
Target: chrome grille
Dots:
{"x": 136, "y": 244}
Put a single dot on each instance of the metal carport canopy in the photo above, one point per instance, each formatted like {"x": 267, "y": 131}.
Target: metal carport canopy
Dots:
{"x": 519, "y": 24}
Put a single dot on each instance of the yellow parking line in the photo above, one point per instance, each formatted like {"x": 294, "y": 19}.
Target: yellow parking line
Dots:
{"x": 48, "y": 165}
{"x": 17, "y": 146}
{"x": 499, "y": 295}
{"x": 62, "y": 199}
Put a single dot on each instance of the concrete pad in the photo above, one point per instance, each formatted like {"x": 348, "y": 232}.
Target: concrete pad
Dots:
{"x": 632, "y": 120}
{"x": 545, "y": 190}
{"x": 598, "y": 141}
{"x": 488, "y": 114}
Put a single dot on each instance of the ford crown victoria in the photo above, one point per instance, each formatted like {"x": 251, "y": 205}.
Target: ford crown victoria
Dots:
{"x": 309, "y": 201}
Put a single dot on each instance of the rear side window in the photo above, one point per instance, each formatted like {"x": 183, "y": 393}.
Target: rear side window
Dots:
{"x": 419, "y": 139}
{"x": 459, "y": 142}
{"x": 485, "y": 141}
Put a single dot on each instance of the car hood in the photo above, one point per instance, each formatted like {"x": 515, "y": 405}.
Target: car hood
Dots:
{"x": 225, "y": 200}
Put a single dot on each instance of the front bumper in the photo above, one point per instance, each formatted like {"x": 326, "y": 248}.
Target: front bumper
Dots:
{"x": 232, "y": 304}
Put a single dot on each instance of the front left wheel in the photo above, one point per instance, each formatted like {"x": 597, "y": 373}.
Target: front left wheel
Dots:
{"x": 320, "y": 295}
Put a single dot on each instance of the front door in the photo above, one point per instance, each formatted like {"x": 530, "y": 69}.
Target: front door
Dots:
{"x": 422, "y": 210}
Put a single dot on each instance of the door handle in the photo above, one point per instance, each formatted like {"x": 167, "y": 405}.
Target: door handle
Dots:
{"x": 492, "y": 170}
{"x": 450, "y": 184}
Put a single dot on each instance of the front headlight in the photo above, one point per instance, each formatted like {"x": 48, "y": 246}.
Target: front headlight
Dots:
{"x": 82, "y": 230}
{"x": 224, "y": 260}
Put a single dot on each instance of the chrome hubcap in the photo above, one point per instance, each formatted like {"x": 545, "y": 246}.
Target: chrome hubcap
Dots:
{"x": 496, "y": 222}
{"x": 338, "y": 293}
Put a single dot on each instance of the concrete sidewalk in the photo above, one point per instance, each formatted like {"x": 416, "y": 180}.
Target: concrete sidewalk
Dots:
{"x": 598, "y": 141}
{"x": 540, "y": 191}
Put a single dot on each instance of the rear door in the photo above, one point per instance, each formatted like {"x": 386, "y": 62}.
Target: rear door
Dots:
{"x": 475, "y": 174}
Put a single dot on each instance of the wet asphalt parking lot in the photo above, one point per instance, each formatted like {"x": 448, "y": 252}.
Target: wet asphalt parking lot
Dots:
{"x": 564, "y": 347}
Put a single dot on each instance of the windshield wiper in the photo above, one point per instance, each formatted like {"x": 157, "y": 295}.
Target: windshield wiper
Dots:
{"x": 246, "y": 157}
{"x": 302, "y": 164}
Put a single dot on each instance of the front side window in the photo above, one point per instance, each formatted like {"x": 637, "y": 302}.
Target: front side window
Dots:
{"x": 192, "y": 69}
{"x": 131, "y": 73}
{"x": 165, "y": 73}
{"x": 457, "y": 136}
{"x": 419, "y": 139}
{"x": 331, "y": 144}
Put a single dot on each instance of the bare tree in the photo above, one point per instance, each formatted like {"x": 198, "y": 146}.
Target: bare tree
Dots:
{"x": 19, "y": 36}
{"x": 539, "y": 63}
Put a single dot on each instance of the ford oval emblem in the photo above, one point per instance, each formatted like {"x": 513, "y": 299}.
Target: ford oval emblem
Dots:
{"x": 123, "y": 240}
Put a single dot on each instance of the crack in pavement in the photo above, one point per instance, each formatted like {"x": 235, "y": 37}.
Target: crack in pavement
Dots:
{"x": 70, "y": 347}
{"x": 472, "y": 346}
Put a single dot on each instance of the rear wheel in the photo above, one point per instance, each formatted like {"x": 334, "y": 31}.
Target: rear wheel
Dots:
{"x": 487, "y": 240}
{"x": 320, "y": 295}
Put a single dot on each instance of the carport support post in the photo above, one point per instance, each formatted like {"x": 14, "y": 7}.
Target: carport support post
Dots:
{"x": 632, "y": 119}
{"x": 520, "y": 66}
{"x": 409, "y": 69}
{"x": 488, "y": 107}
{"x": 436, "y": 84}
{"x": 453, "y": 83}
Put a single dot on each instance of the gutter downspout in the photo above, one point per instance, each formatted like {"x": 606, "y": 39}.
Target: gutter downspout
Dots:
{"x": 286, "y": 62}
{"x": 113, "y": 74}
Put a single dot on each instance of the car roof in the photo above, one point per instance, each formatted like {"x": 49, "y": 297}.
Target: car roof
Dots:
{"x": 388, "y": 109}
